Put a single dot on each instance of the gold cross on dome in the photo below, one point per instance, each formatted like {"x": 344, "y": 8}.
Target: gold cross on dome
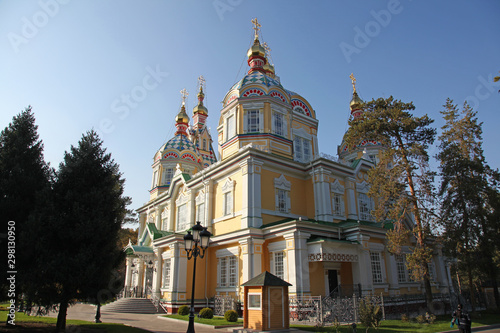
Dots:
{"x": 184, "y": 94}
{"x": 201, "y": 81}
{"x": 256, "y": 27}
{"x": 353, "y": 79}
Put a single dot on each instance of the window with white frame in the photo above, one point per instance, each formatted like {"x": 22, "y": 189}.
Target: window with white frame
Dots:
{"x": 228, "y": 195}
{"x": 200, "y": 213}
{"x": 155, "y": 179}
{"x": 338, "y": 204}
{"x": 252, "y": 121}
{"x": 164, "y": 218}
{"x": 279, "y": 264}
{"x": 282, "y": 189}
{"x": 166, "y": 178}
{"x": 365, "y": 204}
{"x": 182, "y": 223}
{"x": 166, "y": 273}
{"x": 228, "y": 272}
{"x": 401, "y": 268}
{"x": 279, "y": 125}
{"x": 230, "y": 126}
{"x": 376, "y": 267}
{"x": 302, "y": 149}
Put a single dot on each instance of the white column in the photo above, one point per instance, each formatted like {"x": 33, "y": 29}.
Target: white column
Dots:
{"x": 157, "y": 272}
{"x": 141, "y": 276}
{"x": 392, "y": 272}
{"x": 171, "y": 217}
{"x": 178, "y": 266}
{"x": 209, "y": 185}
{"x": 251, "y": 193}
{"x": 191, "y": 208}
{"x": 351, "y": 198}
{"x": 297, "y": 262}
{"x": 322, "y": 196}
{"x": 158, "y": 217}
{"x": 362, "y": 270}
{"x": 142, "y": 223}
{"x": 128, "y": 273}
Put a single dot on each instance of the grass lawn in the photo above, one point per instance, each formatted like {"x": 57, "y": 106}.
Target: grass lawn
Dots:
{"x": 26, "y": 323}
{"x": 215, "y": 321}
{"x": 389, "y": 326}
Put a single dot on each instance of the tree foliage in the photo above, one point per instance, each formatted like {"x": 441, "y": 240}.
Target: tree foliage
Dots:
{"x": 79, "y": 232}
{"x": 468, "y": 190}
{"x": 24, "y": 177}
{"x": 401, "y": 182}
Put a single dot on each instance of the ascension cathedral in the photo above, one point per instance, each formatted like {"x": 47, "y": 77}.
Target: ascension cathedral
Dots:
{"x": 271, "y": 202}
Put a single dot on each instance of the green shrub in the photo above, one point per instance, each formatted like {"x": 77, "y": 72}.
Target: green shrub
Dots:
{"x": 206, "y": 313}
{"x": 231, "y": 316}
{"x": 420, "y": 319}
{"x": 432, "y": 319}
{"x": 405, "y": 318}
{"x": 183, "y": 310}
{"x": 370, "y": 314}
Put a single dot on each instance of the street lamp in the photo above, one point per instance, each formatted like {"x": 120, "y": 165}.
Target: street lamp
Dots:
{"x": 200, "y": 236}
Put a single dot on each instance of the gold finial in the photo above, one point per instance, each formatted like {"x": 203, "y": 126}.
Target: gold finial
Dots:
{"x": 201, "y": 81}
{"x": 184, "y": 94}
{"x": 256, "y": 27}
{"x": 353, "y": 79}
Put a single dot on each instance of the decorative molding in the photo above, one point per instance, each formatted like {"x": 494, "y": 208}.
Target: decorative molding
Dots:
{"x": 200, "y": 198}
{"x": 228, "y": 185}
{"x": 363, "y": 187}
{"x": 282, "y": 183}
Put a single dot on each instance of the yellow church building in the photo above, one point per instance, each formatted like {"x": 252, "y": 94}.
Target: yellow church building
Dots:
{"x": 272, "y": 203}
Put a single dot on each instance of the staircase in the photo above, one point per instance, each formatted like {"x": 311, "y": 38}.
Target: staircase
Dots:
{"x": 132, "y": 305}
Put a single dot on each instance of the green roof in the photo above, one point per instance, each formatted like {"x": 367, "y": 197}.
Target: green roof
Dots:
{"x": 333, "y": 240}
{"x": 138, "y": 249}
{"x": 155, "y": 232}
{"x": 266, "y": 279}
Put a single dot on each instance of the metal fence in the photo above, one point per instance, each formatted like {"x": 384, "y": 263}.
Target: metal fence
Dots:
{"x": 317, "y": 310}
{"x": 223, "y": 303}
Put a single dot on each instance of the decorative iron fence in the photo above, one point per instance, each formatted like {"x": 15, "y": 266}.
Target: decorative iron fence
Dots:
{"x": 223, "y": 303}
{"x": 317, "y": 310}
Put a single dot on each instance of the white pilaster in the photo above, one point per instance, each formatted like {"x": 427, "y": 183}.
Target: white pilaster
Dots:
{"x": 392, "y": 272}
{"x": 322, "y": 196}
{"x": 158, "y": 217}
{"x": 209, "y": 188}
{"x": 351, "y": 198}
{"x": 251, "y": 193}
{"x": 128, "y": 273}
{"x": 297, "y": 262}
{"x": 157, "y": 272}
{"x": 179, "y": 269}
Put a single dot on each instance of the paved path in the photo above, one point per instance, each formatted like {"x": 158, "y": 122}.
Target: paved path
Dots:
{"x": 149, "y": 322}
{"x": 484, "y": 329}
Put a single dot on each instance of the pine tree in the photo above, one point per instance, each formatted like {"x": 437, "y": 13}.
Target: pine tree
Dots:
{"x": 89, "y": 210}
{"x": 401, "y": 182}
{"x": 465, "y": 187}
{"x": 24, "y": 175}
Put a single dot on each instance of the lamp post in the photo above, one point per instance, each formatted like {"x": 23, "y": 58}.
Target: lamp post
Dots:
{"x": 200, "y": 236}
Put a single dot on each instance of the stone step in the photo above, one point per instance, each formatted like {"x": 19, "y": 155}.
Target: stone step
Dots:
{"x": 132, "y": 305}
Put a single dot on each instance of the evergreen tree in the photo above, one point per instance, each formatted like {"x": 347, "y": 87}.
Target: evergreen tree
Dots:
{"x": 465, "y": 188}
{"x": 89, "y": 209}
{"x": 23, "y": 176}
{"x": 401, "y": 182}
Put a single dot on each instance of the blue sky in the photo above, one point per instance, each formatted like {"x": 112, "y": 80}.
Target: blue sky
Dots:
{"x": 77, "y": 61}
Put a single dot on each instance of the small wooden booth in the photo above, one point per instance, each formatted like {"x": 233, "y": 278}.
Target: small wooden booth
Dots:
{"x": 266, "y": 303}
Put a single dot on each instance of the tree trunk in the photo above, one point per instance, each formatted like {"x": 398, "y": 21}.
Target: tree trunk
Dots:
{"x": 471, "y": 289}
{"x": 61, "y": 317}
{"x": 428, "y": 292}
{"x": 493, "y": 278}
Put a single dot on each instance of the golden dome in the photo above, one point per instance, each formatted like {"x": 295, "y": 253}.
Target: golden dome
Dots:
{"x": 268, "y": 68}
{"x": 356, "y": 102}
{"x": 200, "y": 108}
{"x": 182, "y": 116}
{"x": 256, "y": 49}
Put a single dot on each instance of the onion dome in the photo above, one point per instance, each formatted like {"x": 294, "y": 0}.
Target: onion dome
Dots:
{"x": 182, "y": 117}
{"x": 356, "y": 102}
{"x": 256, "y": 50}
{"x": 200, "y": 108}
